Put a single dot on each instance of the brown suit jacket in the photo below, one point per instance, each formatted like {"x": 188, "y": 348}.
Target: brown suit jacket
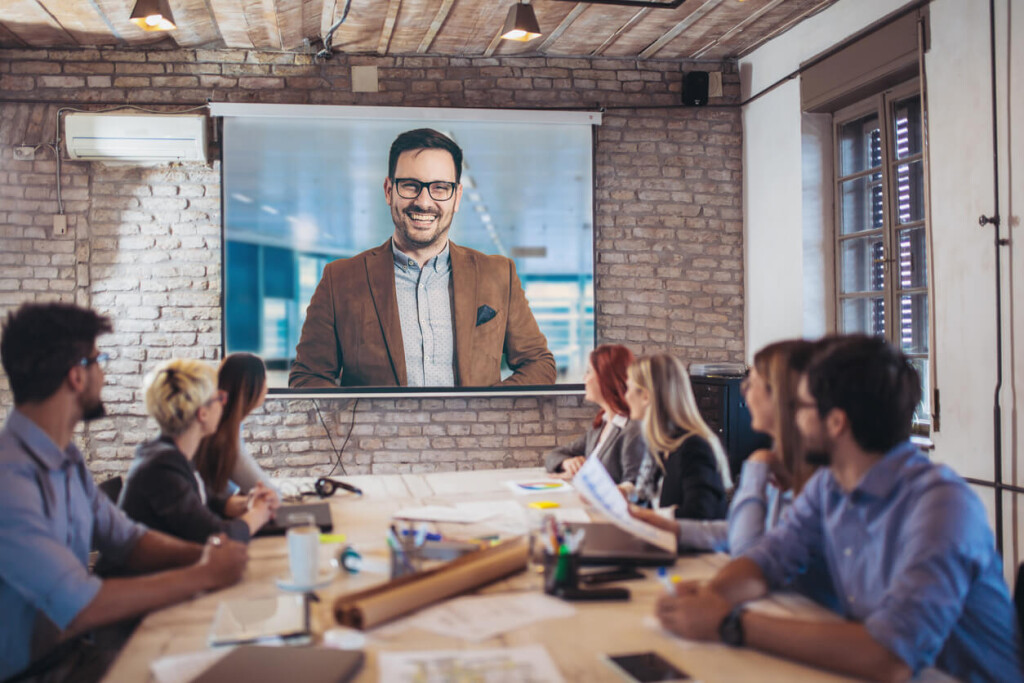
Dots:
{"x": 353, "y": 333}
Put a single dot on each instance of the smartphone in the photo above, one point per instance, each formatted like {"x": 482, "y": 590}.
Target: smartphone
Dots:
{"x": 647, "y": 667}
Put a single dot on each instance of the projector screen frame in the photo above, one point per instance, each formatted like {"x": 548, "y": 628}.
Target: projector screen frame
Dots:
{"x": 426, "y": 115}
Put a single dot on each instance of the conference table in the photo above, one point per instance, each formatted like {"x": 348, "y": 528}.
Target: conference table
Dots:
{"x": 577, "y": 644}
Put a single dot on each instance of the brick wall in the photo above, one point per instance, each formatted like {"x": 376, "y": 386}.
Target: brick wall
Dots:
{"x": 143, "y": 242}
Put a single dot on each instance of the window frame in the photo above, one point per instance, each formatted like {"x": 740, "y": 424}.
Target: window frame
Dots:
{"x": 881, "y": 104}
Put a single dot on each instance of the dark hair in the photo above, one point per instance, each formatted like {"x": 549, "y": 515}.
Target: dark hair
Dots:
{"x": 872, "y": 382}
{"x": 424, "y": 138}
{"x": 781, "y": 365}
{"x": 42, "y": 342}
{"x": 611, "y": 363}
{"x": 242, "y": 376}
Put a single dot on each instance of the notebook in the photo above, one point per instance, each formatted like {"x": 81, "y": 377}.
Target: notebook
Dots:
{"x": 255, "y": 664}
{"x": 279, "y": 525}
{"x": 605, "y": 543}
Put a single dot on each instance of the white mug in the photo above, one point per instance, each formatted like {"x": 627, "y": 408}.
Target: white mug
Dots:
{"x": 303, "y": 549}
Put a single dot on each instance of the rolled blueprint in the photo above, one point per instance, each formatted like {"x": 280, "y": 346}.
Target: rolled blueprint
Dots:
{"x": 377, "y": 605}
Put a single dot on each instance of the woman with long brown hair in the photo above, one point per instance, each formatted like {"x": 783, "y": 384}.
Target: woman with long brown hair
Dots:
{"x": 685, "y": 466}
{"x": 612, "y": 438}
{"x": 770, "y": 478}
{"x": 222, "y": 456}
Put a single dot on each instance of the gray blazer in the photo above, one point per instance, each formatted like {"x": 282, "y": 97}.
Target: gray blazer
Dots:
{"x": 621, "y": 453}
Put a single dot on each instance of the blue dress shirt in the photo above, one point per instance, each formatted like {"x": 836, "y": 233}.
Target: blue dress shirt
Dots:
{"x": 425, "y": 313}
{"x": 52, "y": 516}
{"x": 911, "y": 556}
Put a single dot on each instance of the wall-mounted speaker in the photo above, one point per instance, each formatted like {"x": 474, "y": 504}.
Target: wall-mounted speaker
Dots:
{"x": 695, "y": 88}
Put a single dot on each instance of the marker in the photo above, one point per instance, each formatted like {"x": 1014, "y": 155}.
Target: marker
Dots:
{"x": 426, "y": 536}
{"x": 332, "y": 538}
{"x": 667, "y": 581}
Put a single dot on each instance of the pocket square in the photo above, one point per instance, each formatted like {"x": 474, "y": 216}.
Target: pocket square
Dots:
{"x": 484, "y": 313}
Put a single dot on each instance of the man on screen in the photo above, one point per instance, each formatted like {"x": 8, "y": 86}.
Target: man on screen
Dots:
{"x": 419, "y": 310}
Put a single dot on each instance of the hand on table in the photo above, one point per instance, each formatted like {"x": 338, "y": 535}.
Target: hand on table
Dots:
{"x": 694, "y": 612}
{"x": 223, "y": 560}
{"x": 263, "y": 492}
{"x": 570, "y": 466}
{"x": 654, "y": 519}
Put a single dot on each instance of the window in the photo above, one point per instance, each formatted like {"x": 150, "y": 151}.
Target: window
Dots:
{"x": 881, "y": 258}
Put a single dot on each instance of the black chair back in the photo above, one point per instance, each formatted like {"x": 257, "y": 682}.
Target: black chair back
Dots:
{"x": 1018, "y": 596}
{"x": 112, "y": 487}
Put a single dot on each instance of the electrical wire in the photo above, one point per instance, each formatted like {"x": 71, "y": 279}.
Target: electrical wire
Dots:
{"x": 326, "y": 53}
{"x": 348, "y": 436}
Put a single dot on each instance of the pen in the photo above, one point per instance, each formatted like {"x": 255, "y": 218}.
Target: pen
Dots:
{"x": 666, "y": 581}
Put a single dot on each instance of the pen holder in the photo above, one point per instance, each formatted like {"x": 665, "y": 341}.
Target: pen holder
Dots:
{"x": 561, "y": 572}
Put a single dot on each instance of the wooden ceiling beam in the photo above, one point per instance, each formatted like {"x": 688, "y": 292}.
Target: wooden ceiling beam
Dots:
{"x": 10, "y": 38}
{"x": 738, "y": 28}
{"x": 34, "y": 25}
{"x": 619, "y": 31}
{"x": 743, "y": 52}
{"x": 435, "y": 26}
{"x": 389, "y": 26}
{"x": 670, "y": 35}
{"x": 230, "y": 17}
{"x": 578, "y": 9}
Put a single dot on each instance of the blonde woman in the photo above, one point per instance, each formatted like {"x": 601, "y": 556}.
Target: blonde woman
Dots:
{"x": 685, "y": 465}
{"x": 162, "y": 489}
{"x": 770, "y": 477}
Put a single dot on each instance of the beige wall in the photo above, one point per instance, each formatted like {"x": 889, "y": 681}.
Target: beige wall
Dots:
{"x": 144, "y": 242}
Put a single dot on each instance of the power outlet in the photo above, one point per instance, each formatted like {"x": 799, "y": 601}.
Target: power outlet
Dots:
{"x": 24, "y": 153}
{"x": 60, "y": 224}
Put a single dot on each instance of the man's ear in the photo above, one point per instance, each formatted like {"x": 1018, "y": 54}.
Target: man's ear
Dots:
{"x": 836, "y": 423}
{"x": 76, "y": 378}
{"x": 387, "y": 191}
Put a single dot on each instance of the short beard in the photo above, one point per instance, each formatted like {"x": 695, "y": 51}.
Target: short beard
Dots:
{"x": 94, "y": 412}
{"x": 818, "y": 458}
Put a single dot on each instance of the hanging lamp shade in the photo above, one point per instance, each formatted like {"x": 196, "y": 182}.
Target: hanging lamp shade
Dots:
{"x": 521, "y": 24}
{"x": 153, "y": 15}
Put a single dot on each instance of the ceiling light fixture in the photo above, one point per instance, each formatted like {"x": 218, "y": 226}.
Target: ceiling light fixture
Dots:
{"x": 520, "y": 24}
{"x": 153, "y": 15}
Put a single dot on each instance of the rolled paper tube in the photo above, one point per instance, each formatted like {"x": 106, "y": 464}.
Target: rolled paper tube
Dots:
{"x": 383, "y": 603}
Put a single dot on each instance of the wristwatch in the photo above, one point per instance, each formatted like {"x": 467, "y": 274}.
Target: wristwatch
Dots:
{"x": 731, "y": 628}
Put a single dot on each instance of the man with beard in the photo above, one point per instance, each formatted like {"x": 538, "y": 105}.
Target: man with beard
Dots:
{"x": 910, "y": 556}
{"x": 53, "y": 515}
{"x": 420, "y": 310}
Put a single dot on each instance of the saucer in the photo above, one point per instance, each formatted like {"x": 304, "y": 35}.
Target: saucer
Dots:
{"x": 323, "y": 580}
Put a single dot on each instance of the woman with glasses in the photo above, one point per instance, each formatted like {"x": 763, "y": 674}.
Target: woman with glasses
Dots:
{"x": 223, "y": 461}
{"x": 770, "y": 478}
{"x": 685, "y": 467}
{"x": 163, "y": 489}
{"x": 613, "y": 438}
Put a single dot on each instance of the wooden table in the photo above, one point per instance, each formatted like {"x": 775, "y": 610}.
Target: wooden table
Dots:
{"x": 576, "y": 644}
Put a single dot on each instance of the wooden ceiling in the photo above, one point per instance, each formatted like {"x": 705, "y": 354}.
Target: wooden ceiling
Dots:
{"x": 696, "y": 29}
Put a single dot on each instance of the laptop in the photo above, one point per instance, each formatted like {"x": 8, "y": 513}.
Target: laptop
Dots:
{"x": 607, "y": 544}
{"x": 256, "y": 664}
{"x": 279, "y": 525}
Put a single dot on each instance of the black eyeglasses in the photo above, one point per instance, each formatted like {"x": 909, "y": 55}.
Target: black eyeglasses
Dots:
{"x": 410, "y": 188}
{"x": 99, "y": 359}
{"x": 800, "y": 404}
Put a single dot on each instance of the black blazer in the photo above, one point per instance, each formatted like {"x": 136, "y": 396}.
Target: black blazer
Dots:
{"x": 161, "y": 492}
{"x": 691, "y": 481}
{"x": 621, "y": 453}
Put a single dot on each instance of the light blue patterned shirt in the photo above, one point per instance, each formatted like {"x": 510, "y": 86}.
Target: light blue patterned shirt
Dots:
{"x": 910, "y": 555}
{"x": 52, "y": 514}
{"x": 425, "y": 312}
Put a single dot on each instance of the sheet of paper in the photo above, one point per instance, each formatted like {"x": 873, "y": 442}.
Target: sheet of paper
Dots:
{"x": 529, "y": 487}
{"x": 441, "y": 513}
{"x": 530, "y": 664}
{"x": 185, "y": 667}
{"x": 479, "y": 617}
{"x": 597, "y": 488}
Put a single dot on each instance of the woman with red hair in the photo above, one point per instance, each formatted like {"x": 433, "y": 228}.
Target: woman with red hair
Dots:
{"x": 614, "y": 439}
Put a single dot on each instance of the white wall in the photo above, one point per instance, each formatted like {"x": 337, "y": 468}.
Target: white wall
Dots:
{"x": 959, "y": 129}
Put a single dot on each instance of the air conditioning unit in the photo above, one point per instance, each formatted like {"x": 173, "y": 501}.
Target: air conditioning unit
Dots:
{"x": 135, "y": 137}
